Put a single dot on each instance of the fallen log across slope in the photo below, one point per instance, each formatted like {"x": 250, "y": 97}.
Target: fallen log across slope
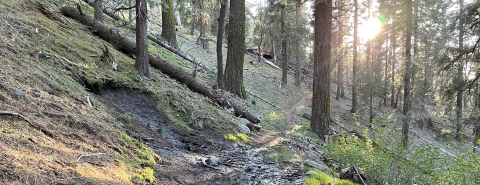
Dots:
{"x": 150, "y": 36}
{"x": 112, "y": 36}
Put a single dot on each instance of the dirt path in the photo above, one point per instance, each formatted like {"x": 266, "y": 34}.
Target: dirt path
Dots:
{"x": 296, "y": 107}
{"x": 182, "y": 154}
{"x": 273, "y": 138}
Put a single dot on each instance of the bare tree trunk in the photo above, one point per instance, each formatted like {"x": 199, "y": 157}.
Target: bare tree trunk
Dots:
{"x": 459, "y": 105}
{"x": 298, "y": 49}
{"x": 168, "y": 23}
{"x": 408, "y": 73}
{"x": 141, "y": 51}
{"x": 194, "y": 17}
{"x": 385, "y": 75}
{"x": 340, "y": 62}
{"x": 392, "y": 63}
{"x": 178, "y": 21}
{"x": 221, "y": 30}
{"x": 98, "y": 14}
{"x": 130, "y": 11}
{"x": 236, "y": 49}
{"x": 355, "y": 65}
{"x": 321, "y": 76}
{"x": 284, "y": 49}
{"x": 128, "y": 47}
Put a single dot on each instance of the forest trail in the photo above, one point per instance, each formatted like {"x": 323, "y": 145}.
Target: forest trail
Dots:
{"x": 297, "y": 107}
{"x": 182, "y": 154}
{"x": 272, "y": 138}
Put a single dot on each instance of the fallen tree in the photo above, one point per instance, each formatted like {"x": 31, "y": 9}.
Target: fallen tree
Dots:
{"x": 150, "y": 36}
{"x": 112, "y": 36}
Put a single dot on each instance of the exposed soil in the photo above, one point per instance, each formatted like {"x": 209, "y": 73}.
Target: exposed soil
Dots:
{"x": 182, "y": 154}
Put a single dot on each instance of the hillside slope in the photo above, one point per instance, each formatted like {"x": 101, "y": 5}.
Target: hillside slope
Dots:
{"x": 86, "y": 124}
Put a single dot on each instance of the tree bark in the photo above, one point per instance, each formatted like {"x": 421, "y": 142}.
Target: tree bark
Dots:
{"x": 194, "y": 17}
{"x": 392, "y": 63}
{"x": 340, "y": 54}
{"x": 321, "y": 81}
{"x": 141, "y": 51}
{"x": 130, "y": 11}
{"x": 98, "y": 14}
{"x": 408, "y": 73}
{"x": 236, "y": 49}
{"x": 284, "y": 49}
{"x": 168, "y": 23}
{"x": 128, "y": 47}
{"x": 298, "y": 49}
{"x": 221, "y": 30}
{"x": 150, "y": 36}
{"x": 355, "y": 62}
{"x": 178, "y": 21}
{"x": 459, "y": 101}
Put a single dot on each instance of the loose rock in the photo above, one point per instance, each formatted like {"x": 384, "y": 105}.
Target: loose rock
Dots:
{"x": 316, "y": 165}
{"x": 244, "y": 129}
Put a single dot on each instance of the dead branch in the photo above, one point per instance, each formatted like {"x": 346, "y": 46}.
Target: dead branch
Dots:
{"x": 46, "y": 132}
{"x": 115, "y": 148}
{"x": 359, "y": 175}
{"x": 15, "y": 114}
{"x": 49, "y": 14}
{"x": 263, "y": 99}
{"x": 87, "y": 155}
{"x": 107, "y": 56}
{"x": 123, "y": 8}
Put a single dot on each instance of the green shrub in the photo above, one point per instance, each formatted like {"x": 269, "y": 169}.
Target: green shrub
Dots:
{"x": 396, "y": 164}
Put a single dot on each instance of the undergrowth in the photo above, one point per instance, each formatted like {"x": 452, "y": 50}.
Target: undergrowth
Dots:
{"x": 393, "y": 163}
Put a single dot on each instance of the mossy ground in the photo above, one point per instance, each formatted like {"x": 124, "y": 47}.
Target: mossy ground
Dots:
{"x": 58, "y": 83}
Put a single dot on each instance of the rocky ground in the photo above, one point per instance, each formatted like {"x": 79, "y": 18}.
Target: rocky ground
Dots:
{"x": 191, "y": 159}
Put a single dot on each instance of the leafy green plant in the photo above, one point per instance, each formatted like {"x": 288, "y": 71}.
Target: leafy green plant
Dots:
{"x": 318, "y": 177}
{"x": 149, "y": 125}
{"x": 144, "y": 176}
{"x": 127, "y": 117}
{"x": 160, "y": 129}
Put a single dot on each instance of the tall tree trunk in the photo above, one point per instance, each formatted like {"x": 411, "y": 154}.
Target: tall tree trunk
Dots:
{"x": 393, "y": 63}
{"x": 298, "y": 49}
{"x": 178, "y": 20}
{"x": 407, "y": 102}
{"x": 194, "y": 16}
{"x": 385, "y": 75}
{"x": 261, "y": 24}
{"x": 459, "y": 105}
{"x": 236, "y": 49}
{"x": 130, "y": 11}
{"x": 321, "y": 76}
{"x": 369, "y": 62}
{"x": 355, "y": 65}
{"x": 221, "y": 30}
{"x": 141, "y": 51}
{"x": 284, "y": 49}
{"x": 98, "y": 14}
{"x": 168, "y": 23}
{"x": 340, "y": 53}
{"x": 202, "y": 19}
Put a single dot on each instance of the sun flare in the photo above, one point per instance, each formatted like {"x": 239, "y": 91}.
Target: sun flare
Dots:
{"x": 370, "y": 29}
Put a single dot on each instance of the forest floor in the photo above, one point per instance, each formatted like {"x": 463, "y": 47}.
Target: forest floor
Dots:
{"x": 96, "y": 125}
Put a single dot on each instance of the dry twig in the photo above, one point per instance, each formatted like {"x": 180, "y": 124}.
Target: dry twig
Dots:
{"x": 86, "y": 155}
